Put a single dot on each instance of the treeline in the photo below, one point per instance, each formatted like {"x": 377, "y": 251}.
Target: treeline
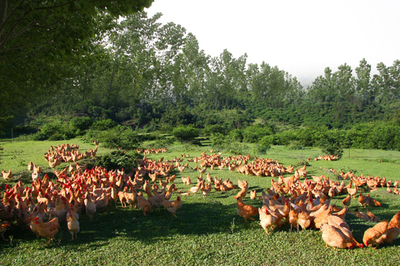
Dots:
{"x": 150, "y": 72}
{"x": 151, "y": 76}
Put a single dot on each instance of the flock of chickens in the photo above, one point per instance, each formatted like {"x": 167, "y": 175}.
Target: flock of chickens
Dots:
{"x": 77, "y": 191}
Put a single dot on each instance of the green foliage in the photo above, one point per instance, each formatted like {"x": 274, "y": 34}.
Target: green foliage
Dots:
{"x": 121, "y": 137}
{"x": 265, "y": 143}
{"x": 185, "y": 133}
{"x": 119, "y": 159}
{"x": 236, "y": 135}
{"x": 256, "y": 132}
{"x": 104, "y": 124}
{"x": 56, "y": 130}
{"x": 212, "y": 129}
{"x": 219, "y": 140}
{"x": 81, "y": 123}
{"x": 331, "y": 143}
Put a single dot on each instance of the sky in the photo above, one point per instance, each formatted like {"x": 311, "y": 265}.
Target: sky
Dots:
{"x": 301, "y": 37}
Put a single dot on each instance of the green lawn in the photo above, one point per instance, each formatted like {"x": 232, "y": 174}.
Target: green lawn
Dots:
{"x": 206, "y": 231}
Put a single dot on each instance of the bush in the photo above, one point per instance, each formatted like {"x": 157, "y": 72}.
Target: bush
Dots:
{"x": 103, "y": 124}
{"x": 81, "y": 123}
{"x": 55, "y": 131}
{"x": 120, "y": 137}
{"x": 331, "y": 143}
{"x": 118, "y": 160}
{"x": 255, "y": 133}
{"x": 210, "y": 129}
{"x": 264, "y": 144}
{"x": 236, "y": 135}
{"x": 185, "y": 133}
{"x": 218, "y": 140}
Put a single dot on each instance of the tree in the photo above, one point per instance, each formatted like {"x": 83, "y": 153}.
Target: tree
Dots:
{"x": 42, "y": 41}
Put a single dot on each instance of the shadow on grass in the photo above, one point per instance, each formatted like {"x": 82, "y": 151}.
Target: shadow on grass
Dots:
{"x": 192, "y": 219}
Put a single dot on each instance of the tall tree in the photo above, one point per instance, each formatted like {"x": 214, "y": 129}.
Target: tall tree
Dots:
{"x": 40, "y": 41}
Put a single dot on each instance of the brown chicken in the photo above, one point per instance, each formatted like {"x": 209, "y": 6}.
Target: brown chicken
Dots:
{"x": 48, "y": 229}
{"x": 321, "y": 218}
{"x": 334, "y": 237}
{"x": 156, "y": 201}
{"x": 7, "y": 175}
{"x": 253, "y": 194}
{"x": 245, "y": 210}
{"x": 172, "y": 206}
{"x": 340, "y": 223}
{"x": 393, "y": 229}
{"x": 363, "y": 200}
{"x": 375, "y": 235}
{"x": 293, "y": 218}
{"x": 143, "y": 204}
{"x": 90, "y": 206}
{"x": 347, "y": 200}
{"x": 73, "y": 226}
{"x": 372, "y": 217}
{"x": 304, "y": 220}
{"x": 267, "y": 219}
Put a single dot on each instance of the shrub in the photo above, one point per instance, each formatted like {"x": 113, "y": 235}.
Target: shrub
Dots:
{"x": 236, "y": 135}
{"x": 255, "y": 133}
{"x": 103, "y": 124}
{"x": 218, "y": 140}
{"x": 120, "y": 137}
{"x": 331, "y": 143}
{"x": 118, "y": 160}
{"x": 81, "y": 123}
{"x": 210, "y": 129}
{"x": 185, "y": 133}
{"x": 264, "y": 144}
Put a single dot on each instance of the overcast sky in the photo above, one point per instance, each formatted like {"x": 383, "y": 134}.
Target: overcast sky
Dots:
{"x": 301, "y": 37}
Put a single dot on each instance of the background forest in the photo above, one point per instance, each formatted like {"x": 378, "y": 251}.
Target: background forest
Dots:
{"x": 135, "y": 76}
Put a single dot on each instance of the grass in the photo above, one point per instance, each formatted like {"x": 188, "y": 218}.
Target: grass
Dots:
{"x": 206, "y": 231}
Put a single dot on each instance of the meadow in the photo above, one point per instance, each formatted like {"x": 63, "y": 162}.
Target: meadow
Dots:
{"x": 207, "y": 230}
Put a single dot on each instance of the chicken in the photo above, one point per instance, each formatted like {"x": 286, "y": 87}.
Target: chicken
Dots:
{"x": 267, "y": 220}
{"x": 172, "y": 206}
{"x": 143, "y": 204}
{"x": 339, "y": 223}
{"x": 186, "y": 180}
{"x": 48, "y": 229}
{"x": 372, "y": 217}
{"x": 253, "y": 194}
{"x": 347, "y": 200}
{"x": 102, "y": 201}
{"x": 244, "y": 188}
{"x": 7, "y": 175}
{"x": 155, "y": 200}
{"x": 375, "y": 235}
{"x": 3, "y": 228}
{"x": 245, "y": 210}
{"x": 73, "y": 226}
{"x": 321, "y": 218}
{"x": 363, "y": 200}
{"x": 30, "y": 166}
{"x": 90, "y": 206}
{"x": 334, "y": 237}
{"x": 393, "y": 229}
{"x": 361, "y": 215}
{"x": 342, "y": 212}
{"x": 293, "y": 218}
{"x": 304, "y": 220}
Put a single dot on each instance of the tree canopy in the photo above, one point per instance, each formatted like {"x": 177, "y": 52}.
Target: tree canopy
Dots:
{"x": 41, "y": 40}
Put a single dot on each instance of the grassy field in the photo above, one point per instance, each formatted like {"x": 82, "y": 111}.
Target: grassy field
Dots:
{"x": 206, "y": 231}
